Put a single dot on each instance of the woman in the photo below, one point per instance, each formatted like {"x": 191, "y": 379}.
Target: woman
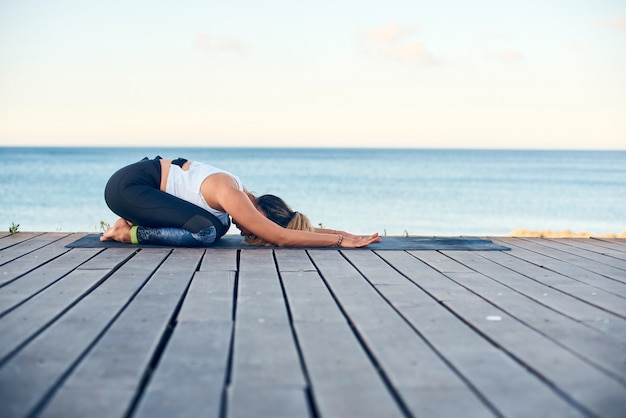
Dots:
{"x": 183, "y": 203}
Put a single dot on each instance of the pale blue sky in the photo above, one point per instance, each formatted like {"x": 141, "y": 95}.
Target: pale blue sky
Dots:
{"x": 395, "y": 73}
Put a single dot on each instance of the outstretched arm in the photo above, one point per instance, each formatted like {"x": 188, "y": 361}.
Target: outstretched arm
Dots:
{"x": 334, "y": 231}
{"x": 238, "y": 205}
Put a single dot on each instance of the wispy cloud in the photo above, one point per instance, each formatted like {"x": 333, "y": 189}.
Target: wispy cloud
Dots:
{"x": 224, "y": 43}
{"x": 394, "y": 41}
{"x": 616, "y": 23}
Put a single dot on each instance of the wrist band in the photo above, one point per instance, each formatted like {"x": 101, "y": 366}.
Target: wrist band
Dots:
{"x": 339, "y": 241}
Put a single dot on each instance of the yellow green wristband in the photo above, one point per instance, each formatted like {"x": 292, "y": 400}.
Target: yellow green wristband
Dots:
{"x": 133, "y": 235}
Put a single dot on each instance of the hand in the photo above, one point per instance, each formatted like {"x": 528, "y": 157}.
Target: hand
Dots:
{"x": 356, "y": 241}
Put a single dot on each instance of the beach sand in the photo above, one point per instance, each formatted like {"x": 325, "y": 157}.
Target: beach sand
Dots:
{"x": 562, "y": 234}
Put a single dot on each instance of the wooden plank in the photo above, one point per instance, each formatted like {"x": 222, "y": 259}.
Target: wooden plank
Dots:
{"x": 13, "y": 239}
{"x": 518, "y": 274}
{"x": 22, "y": 265}
{"x": 587, "y": 250}
{"x": 190, "y": 378}
{"x": 309, "y": 299}
{"x": 293, "y": 260}
{"x": 563, "y": 281}
{"x": 601, "y": 247}
{"x": 344, "y": 381}
{"x": 617, "y": 242}
{"x": 265, "y": 354}
{"x": 210, "y": 297}
{"x": 266, "y": 401}
{"x": 592, "y": 390}
{"x": 495, "y": 375}
{"x": 596, "y": 263}
{"x": 259, "y": 262}
{"x": 604, "y": 352}
{"x": 412, "y": 368}
{"x": 259, "y": 294}
{"x": 553, "y": 260}
{"x": 108, "y": 259}
{"x": 114, "y": 368}
{"x": 36, "y": 280}
{"x": 219, "y": 259}
{"x": 264, "y": 350}
{"x": 34, "y": 313}
{"x": 36, "y": 370}
{"x": 24, "y": 247}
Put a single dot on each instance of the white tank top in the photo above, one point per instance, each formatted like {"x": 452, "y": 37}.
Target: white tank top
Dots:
{"x": 186, "y": 185}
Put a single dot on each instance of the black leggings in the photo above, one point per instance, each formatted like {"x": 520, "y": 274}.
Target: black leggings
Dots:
{"x": 133, "y": 193}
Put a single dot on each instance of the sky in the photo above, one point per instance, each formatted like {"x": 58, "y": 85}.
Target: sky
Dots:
{"x": 531, "y": 74}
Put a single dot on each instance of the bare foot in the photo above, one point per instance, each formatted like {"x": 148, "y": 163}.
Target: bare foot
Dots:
{"x": 119, "y": 232}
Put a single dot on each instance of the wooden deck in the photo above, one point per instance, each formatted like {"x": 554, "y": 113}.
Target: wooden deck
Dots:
{"x": 536, "y": 331}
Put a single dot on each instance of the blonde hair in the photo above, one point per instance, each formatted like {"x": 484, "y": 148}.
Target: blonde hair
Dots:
{"x": 280, "y": 213}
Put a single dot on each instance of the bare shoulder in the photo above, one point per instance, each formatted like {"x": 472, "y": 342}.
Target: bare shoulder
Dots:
{"x": 221, "y": 180}
{"x": 217, "y": 187}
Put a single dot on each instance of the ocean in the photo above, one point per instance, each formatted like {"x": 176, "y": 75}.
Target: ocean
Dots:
{"x": 391, "y": 191}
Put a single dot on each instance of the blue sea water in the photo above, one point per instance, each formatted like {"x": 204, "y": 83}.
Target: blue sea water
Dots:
{"x": 392, "y": 191}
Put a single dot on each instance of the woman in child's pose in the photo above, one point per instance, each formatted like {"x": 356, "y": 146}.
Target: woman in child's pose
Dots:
{"x": 188, "y": 203}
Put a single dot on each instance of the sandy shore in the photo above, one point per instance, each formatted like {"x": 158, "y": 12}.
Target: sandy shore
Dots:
{"x": 562, "y": 234}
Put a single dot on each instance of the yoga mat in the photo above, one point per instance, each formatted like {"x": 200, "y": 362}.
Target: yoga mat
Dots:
{"x": 387, "y": 243}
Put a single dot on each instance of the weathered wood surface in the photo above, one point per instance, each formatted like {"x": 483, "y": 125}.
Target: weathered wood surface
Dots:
{"x": 536, "y": 331}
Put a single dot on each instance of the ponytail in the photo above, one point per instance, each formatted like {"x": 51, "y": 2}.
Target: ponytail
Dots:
{"x": 300, "y": 222}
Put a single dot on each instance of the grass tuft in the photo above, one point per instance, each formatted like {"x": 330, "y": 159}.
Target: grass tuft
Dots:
{"x": 104, "y": 226}
{"x": 14, "y": 228}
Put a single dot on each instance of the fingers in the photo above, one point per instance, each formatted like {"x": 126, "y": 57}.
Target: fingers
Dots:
{"x": 361, "y": 241}
{"x": 372, "y": 239}
{"x": 106, "y": 236}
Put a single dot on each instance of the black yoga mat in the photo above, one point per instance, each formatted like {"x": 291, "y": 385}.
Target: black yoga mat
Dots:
{"x": 387, "y": 243}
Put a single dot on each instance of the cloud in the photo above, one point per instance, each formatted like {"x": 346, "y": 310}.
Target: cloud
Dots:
{"x": 394, "y": 41}
{"x": 388, "y": 33}
{"x": 617, "y": 23}
{"x": 225, "y": 43}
